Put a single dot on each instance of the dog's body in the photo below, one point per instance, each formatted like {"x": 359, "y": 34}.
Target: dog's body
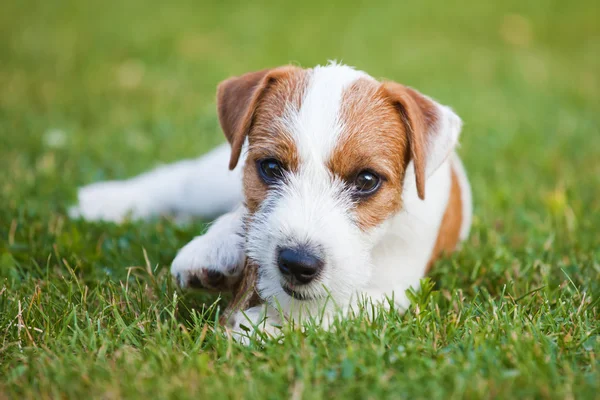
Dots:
{"x": 350, "y": 190}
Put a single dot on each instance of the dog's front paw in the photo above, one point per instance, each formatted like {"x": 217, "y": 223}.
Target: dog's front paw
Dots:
{"x": 111, "y": 201}
{"x": 212, "y": 262}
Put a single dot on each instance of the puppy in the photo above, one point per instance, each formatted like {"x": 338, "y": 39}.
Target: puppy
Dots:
{"x": 347, "y": 190}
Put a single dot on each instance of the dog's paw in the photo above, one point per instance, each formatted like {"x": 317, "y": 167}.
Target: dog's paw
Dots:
{"x": 211, "y": 261}
{"x": 111, "y": 201}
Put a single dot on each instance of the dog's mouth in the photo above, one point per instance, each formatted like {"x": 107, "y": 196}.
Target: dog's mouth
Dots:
{"x": 296, "y": 295}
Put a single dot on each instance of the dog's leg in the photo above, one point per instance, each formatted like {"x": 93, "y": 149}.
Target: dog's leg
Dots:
{"x": 203, "y": 187}
{"x": 216, "y": 259}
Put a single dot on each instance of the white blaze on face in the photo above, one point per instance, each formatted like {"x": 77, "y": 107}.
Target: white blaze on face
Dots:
{"x": 312, "y": 208}
{"x": 316, "y": 127}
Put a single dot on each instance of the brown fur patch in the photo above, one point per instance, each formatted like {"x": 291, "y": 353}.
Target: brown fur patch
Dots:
{"x": 448, "y": 234}
{"x": 268, "y": 137}
{"x": 374, "y": 138}
{"x": 238, "y": 99}
{"x": 245, "y": 294}
{"x": 420, "y": 117}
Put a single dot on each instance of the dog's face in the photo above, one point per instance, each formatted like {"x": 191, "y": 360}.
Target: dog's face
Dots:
{"x": 328, "y": 154}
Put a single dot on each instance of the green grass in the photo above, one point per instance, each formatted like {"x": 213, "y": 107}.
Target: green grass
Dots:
{"x": 96, "y": 90}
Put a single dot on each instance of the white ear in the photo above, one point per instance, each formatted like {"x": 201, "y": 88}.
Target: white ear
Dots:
{"x": 442, "y": 137}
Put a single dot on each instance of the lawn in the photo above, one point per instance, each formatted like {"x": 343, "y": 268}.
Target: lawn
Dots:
{"x": 95, "y": 90}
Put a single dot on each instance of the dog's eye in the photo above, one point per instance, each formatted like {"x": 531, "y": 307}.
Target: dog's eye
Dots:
{"x": 270, "y": 170}
{"x": 366, "y": 183}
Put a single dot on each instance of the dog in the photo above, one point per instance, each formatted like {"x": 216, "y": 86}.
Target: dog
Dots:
{"x": 339, "y": 187}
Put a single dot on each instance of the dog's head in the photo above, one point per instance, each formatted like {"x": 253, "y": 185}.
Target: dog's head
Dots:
{"x": 329, "y": 150}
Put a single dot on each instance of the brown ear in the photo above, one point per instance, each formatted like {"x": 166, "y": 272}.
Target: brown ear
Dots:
{"x": 237, "y": 100}
{"x": 432, "y": 130}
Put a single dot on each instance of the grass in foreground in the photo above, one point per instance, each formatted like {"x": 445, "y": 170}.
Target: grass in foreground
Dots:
{"x": 100, "y": 91}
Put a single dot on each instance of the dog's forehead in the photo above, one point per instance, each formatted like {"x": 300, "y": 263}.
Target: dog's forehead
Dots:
{"x": 316, "y": 123}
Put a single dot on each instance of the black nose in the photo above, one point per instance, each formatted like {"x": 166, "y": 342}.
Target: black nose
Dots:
{"x": 299, "y": 265}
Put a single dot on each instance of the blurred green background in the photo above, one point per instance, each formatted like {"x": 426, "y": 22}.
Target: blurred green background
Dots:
{"x": 93, "y": 90}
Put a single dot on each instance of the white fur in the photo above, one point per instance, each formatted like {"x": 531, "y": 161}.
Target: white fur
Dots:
{"x": 263, "y": 318}
{"x": 220, "y": 249}
{"x": 443, "y": 138}
{"x": 311, "y": 208}
{"x": 203, "y": 187}
{"x": 402, "y": 255}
